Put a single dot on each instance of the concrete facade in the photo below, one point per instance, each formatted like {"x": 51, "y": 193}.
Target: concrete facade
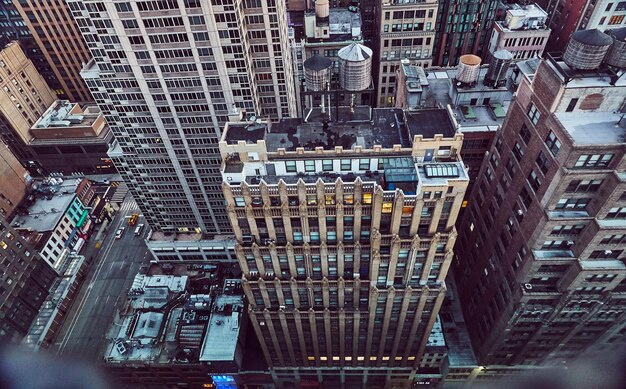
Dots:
{"x": 14, "y": 182}
{"x": 23, "y": 98}
{"x": 58, "y": 37}
{"x": 407, "y": 31}
{"x": 166, "y": 77}
{"x": 540, "y": 262}
{"x": 523, "y": 32}
{"x": 344, "y": 270}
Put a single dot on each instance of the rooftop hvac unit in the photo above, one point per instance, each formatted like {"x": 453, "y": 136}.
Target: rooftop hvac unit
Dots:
{"x": 570, "y": 243}
{"x": 608, "y": 252}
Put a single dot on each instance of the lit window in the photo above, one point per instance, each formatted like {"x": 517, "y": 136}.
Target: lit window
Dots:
{"x": 387, "y": 207}
{"x": 348, "y": 199}
{"x": 367, "y": 198}
{"x": 329, "y": 200}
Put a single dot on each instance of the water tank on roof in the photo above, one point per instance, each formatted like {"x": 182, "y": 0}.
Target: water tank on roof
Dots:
{"x": 499, "y": 64}
{"x": 587, "y": 49}
{"x": 317, "y": 71}
{"x": 322, "y": 8}
{"x": 355, "y": 67}
{"x": 617, "y": 52}
{"x": 468, "y": 69}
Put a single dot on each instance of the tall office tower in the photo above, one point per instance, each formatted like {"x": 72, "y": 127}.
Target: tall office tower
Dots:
{"x": 13, "y": 183}
{"x": 463, "y": 27}
{"x": 567, "y": 17}
{"x": 407, "y": 31}
{"x": 344, "y": 235}
{"x": 51, "y": 39}
{"x": 540, "y": 264}
{"x": 23, "y": 98}
{"x": 23, "y": 286}
{"x": 167, "y": 75}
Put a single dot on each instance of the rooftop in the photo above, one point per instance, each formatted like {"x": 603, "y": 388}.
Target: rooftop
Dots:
{"x": 528, "y": 17}
{"x": 195, "y": 320}
{"x": 50, "y": 199}
{"x": 221, "y": 339}
{"x": 575, "y": 78}
{"x": 364, "y": 127}
{"x": 63, "y": 113}
{"x": 593, "y": 128}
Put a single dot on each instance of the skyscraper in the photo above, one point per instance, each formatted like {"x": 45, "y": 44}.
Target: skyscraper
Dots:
{"x": 344, "y": 235}
{"x": 540, "y": 264}
{"x": 167, "y": 75}
{"x": 51, "y": 39}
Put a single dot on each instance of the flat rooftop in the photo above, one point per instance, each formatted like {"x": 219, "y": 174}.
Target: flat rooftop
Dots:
{"x": 59, "y": 115}
{"x": 220, "y": 342}
{"x": 51, "y": 198}
{"x": 430, "y": 122}
{"x": 364, "y": 127}
{"x": 593, "y": 128}
{"x": 574, "y": 78}
{"x": 173, "y": 327}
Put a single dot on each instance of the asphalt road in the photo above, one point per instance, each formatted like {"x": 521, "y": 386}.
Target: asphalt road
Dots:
{"x": 83, "y": 334}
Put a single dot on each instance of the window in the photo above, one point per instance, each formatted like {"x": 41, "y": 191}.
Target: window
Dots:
{"x": 367, "y": 198}
{"x": 526, "y": 198}
{"x": 309, "y": 166}
{"x": 534, "y": 181}
{"x": 364, "y": 164}
{"x": 240, "y": 202}
{"x": 605, "y": 254}
{"x": 553, "y": 143}
{"x": 346, "y": 164}
{"x": 583, "y": 186}
{"x": 571, "y": 105}
{"x": 524, "y": 133}
{"x": 327, "y": 165}
{"x": 329, "y": 200}
{"x": 567, "y": 229}
{"x": 290, "y": 166}
{"x": 387, "y": 207}
{"x": 543, "y": 163}
{"x": 616, "y": 213}
{"x": 616, "y": 19}
{"x": 518, "y": 152}
{"x": 311, "y": 200}
{"x": 612, "y": 239}
{"x": 593, "y": 160}
{"x": 572, "y": 203}
{"x": 510, "y": 167}
{"x": 348, "y": 199}
{"x": 534, "y": 114}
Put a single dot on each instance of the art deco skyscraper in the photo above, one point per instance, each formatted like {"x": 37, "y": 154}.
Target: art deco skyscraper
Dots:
{"x": 167, "y": 75}
{"x": 344, "y": 235}
{"x": 540, "y": 268}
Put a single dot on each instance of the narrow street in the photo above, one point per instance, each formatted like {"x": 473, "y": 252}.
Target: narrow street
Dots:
{"x": 114, "y": 266}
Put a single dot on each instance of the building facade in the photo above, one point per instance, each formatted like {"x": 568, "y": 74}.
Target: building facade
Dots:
{"x": 344, "y": 234}
{"x": 58, "y": 38}
{"x": 522, "y": 32}
{"x": 24, "y": 284}
{"x": 167, "y": 75}
{"x": 24, "y": 97}
{"x": 70, "y": 138}
{"x": 567, "y": 17}
{"x": 540, "y": 264}
{"x": 463, "y": 27}
{"x": 15, "y": 180}
{"x": 407, "y": 31}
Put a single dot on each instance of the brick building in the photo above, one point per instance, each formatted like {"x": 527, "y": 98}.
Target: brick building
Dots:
{"x": 540, "y": 263}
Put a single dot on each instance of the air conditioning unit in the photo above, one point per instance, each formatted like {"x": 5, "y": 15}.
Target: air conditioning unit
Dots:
{"x": 520, "y": 212}
{"x": 282, "y": 307}
{"x": 570, "y": 242}
{"x": 608, "y": 252}
{"x": 528, "y": 286}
